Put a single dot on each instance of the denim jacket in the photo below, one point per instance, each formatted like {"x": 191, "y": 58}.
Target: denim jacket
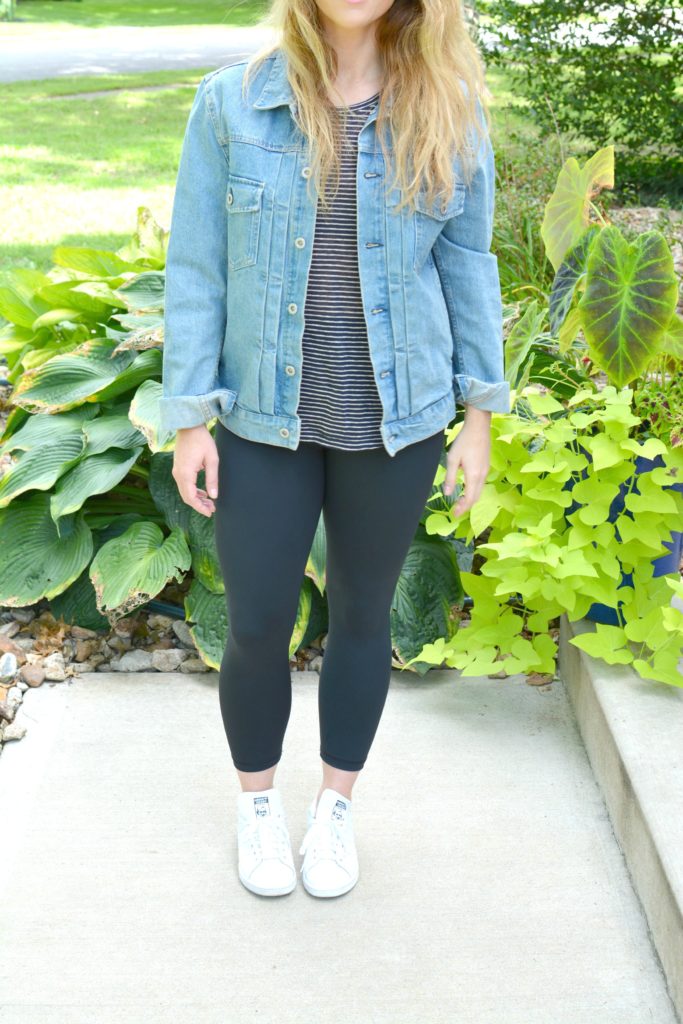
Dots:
{"x": 239, "y": 252}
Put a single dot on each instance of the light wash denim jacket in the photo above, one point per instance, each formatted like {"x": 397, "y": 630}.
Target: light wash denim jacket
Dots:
{"x": 239, "y": 252}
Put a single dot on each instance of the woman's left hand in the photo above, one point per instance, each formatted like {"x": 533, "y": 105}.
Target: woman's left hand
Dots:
{"x": 471, "y": 450}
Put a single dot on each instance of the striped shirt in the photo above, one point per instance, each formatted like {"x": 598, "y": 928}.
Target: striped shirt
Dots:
{"x": 339, "y": 404}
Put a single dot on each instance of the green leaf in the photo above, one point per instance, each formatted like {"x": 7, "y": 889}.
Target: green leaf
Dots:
{"x": 37, "y": 557}
{"x": 39, "y": 468}
{"x": 607, "y": 642}
{"x": 67, "y": 380}
{"x": 210, "y": 631}
{"x": 303, "y": 614}
{"x": 629, "y": 300}
{"x": 129, "y": 570}
{"x": 542, "y": 404}
{"x": 427, "y": 588}
{"x": 570, "y": 272}
{"x": 20, "y": 302}
{"x": 672, "y": 339}
{"x": 566, "y": 214}
{"x": 520, "y": 339}
{"x": 96, "y": 474}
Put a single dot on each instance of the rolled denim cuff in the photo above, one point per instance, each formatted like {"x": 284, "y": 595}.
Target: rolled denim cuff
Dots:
{"x": 491, "y": 396}
{"x": 179, "y": 411}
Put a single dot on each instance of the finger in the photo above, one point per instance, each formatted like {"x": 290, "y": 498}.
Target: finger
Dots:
{"x": 197, "y": 499}
{"x": 473, "y": 489}
{"x": 452, "y": 466}
{"x": 211, "y": 475}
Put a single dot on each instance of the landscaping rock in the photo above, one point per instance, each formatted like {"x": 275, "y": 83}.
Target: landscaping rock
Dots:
{"x": 182, "y": 631}
{"x": 33, "y": 674}
{"x": 170, "y": 660}
{"x": 133, "y": 661}
{"x": 54, "y": 667}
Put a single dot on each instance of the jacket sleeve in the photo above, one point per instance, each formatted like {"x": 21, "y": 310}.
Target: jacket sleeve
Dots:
{"x": 468, "y": 271}
{"x": 196, "y": 275}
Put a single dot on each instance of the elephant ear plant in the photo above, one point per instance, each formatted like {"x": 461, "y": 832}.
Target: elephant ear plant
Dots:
{"x": 567, "y": 517}
{"x": 90, "y": 515}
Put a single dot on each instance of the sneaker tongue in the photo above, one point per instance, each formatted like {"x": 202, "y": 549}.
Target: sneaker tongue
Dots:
{"x": 261, "y": 806}
{"x": 339, "y": 809}
{"x": 332, "y": 805}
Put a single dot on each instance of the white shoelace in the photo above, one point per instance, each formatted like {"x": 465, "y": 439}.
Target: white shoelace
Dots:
{"x": 325, "y": 840}
{"x": 269, "y": 838}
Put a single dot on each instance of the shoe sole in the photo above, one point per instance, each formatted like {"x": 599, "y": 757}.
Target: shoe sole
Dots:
{"x": 329, "y": 892}
{"x": 260, "y": 891}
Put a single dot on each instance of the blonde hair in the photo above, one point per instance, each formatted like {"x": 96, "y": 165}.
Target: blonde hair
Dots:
{"x": 427, "y": 57}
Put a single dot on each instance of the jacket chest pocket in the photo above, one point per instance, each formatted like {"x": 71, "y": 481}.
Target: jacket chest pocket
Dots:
{"x": 244, "y": 202}
{"x": 430, "y": 218}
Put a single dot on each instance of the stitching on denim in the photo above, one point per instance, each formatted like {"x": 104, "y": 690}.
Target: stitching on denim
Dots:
{"x": 213, "y": 116}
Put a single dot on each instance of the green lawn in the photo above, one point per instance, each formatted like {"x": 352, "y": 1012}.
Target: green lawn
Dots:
{"x": 76, "y": 170}
{"x": 106, "y": 13}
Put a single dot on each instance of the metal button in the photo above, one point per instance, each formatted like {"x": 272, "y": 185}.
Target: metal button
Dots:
{"x": 385, "y": 373}
{"x": 230, "y": 198}
{"x": 392, "y": 437}
{"x": 306, "y": 172}
{"x": 290, "y": 370}
{"x": 377, "y": 309}
{"x": 284, "y": 432}
{"x": 292, "y": 307}
{"x": 299, "y": 242}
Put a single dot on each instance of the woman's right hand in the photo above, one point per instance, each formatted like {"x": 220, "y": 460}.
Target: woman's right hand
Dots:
{"x": 195, "y": 449}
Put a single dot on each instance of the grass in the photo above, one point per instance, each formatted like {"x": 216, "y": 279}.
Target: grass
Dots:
{"x": 108, "y": 13}
{"x": 77, "y": 169}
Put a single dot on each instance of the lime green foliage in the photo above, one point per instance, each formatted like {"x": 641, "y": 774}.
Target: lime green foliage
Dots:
{"x": 541, "y": 560}
{"x": 567, "y": 211}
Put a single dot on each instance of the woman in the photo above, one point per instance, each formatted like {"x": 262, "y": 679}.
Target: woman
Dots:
{"x": 330, "y": 333}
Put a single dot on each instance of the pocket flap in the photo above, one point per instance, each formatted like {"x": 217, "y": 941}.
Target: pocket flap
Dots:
{"x": 437, "y": 208}
{"x": 243, "y": 195}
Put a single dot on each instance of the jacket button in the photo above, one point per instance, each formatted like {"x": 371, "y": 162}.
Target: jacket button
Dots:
{"x": 230, "y": 198}
{"x": 385, "y": 373}
{"x": 299, "y": 242}
{"x": 306, "y": 172}
{"x": 292, "y": 307}
{"x": 290, "y": 370}
{"x": 284, "y": 432}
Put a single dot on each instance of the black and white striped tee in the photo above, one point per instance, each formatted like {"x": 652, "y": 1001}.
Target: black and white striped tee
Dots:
{"x": 339, "y": 403}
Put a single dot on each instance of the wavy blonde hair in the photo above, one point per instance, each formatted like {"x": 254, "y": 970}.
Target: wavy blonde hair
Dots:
{"x": 426, "y": 54}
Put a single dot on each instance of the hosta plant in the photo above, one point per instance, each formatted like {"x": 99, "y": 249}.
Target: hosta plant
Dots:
{"x": 90, "y": 515}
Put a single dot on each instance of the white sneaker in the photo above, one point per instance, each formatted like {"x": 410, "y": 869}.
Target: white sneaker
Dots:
{"x": 330, "y": 865}
{"x": 266, "y": 864}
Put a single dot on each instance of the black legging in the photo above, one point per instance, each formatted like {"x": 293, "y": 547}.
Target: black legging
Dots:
{"x": 267, "y": 510}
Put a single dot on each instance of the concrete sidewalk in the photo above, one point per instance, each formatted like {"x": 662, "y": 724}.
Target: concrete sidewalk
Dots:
{"x": 492, "y": 889}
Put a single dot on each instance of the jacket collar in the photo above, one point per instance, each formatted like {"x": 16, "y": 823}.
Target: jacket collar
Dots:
{"x": 277, "y": 89}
